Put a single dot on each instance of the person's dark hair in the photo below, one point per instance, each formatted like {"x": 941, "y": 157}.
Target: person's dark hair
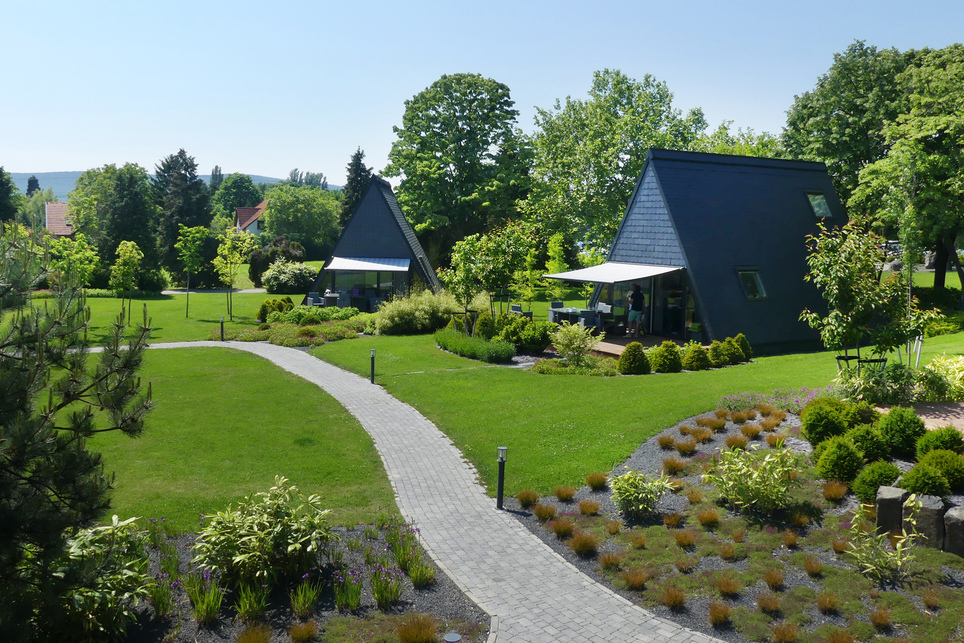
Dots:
{"x": 635, "y": 287}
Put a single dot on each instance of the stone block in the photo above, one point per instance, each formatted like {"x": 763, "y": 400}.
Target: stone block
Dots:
{"x": 890, "y": 504}
{"x": 930, "y": 521}
{"x": 954, "y": 530}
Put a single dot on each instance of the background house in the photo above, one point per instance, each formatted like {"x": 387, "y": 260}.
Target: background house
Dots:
{"x": 249, "y": 219}
{"x": 377, "y": 255}
{"x": 56, "y": 220}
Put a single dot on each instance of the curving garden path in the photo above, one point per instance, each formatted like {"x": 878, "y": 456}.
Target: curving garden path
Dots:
{"x": 532, "y": 594}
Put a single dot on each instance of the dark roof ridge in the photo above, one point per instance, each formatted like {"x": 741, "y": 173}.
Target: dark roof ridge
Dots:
{"x": 712, "y": 158}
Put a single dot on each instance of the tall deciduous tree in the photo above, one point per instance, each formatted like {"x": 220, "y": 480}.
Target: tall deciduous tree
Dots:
{"x": 304, "y": 214}
{"x": 181, "y": 199}
{"x": 355, "y": 185}
{"x": 309, "y": 179}
{"x": 190, "y": 251}
{"x": 9, "y": 197}
{"x": 233, "y": 251}
{"x": 589, "y": 153}
{"x": 54, "y": 398}
{"x": 73, "y": 262}
{"x": 462, "y": 160}
{"x": 217, "y": 178}
{"x": 123, "y": 274}
{"x": 841, "y": 120}
{"x": 743, "y": 142}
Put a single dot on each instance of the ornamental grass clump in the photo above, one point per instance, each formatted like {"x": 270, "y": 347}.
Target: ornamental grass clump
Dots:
{"x": 255, "y": 633}
{"x": 613, "y": 527}
{"x": 544, "y": 512}
{"x": 769, "y": 603}
{"x": 751, "y": 430}
{"x": 304, "y": 598}
{"x": 584, "y": 544}
{"x": 611, "y": 560}
{"x": 638, "y": 540}
{"x": 685, "y": 538}
{"x": 702, "y": 434}
{"x": 827, "y": 602}
{"x": 686, "y": 564}
{"x": 665, "y": 442}
{"x": 754, "y": 480}
{"x": 206, "y": 596}
{"x": 774, "y": 577}
{"x": 527, "y": 498}
{"x": 303, "y": 632}
{"x": 728, "y": 584}
{"x": 422, "y": 574}
{"x": 673, "y": 597}
{"x": 709, "y": 517}
{"x": 635, "y": 495}
{"x": 694, "y": 495}
{"x": 813, "y": 566}
{"x": 562, "y": 528}
{"x": 685, "y": 447}
{"x": 635, "y": 578}
{"x": 160, "y": 596}
{"x": 417, "y": 628}
{"x": 719, "y": 614}
{"x": 565, "y": 494}
{"x": 597, "y": 481}
{"x": 588, "y": 507}
{"x": 785, "y": 632}
{"x": 881, "y": 618}
{"x": 633, "y": 360}
{"x": 251, "y": 602}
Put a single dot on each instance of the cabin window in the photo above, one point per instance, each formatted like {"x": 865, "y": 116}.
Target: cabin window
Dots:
{"x": 752, "y": 286}
{"x": 818, "y": 203}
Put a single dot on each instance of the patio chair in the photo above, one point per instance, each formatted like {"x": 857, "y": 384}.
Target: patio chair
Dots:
{"x": 557, "y": 304}
{"x": 313, "y": 299}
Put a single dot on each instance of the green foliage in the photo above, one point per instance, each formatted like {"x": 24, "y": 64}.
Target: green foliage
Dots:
{"x": 900, "y": 429}
{"x": 236, "y": 191}
{"x": 10, "y": 197}
{"x": 233, "y": 250}
{"x": 633, "y": 360}
{"x": 206, "y": 596}
{"x": 182, "y": 200}
{"x": 486, "y": 262}
{"x": 952, "y": 369}
{"x": 733, "y": 353}
{"x": 418, "y": 312}
{"x": 873, "y": 476}
{"x": 840, "y": 460}
{"x": 72, "y": 261}
{"x": 947, "y": 438}
{"x": 123, "y": 274}
{"x": 190, "y": 252}
{"x": 462, "y": 160}
{"x": 754, "y": 480}
{"x": 288, "y": 277}
{"x": 860, "y": 412}
{"x": 474, "y": 347}
{"x": 574, "y": 343}
{"x": 592, "y": 365}
{"x": 108, "y": 571}
{"x": 269, "y": 306}
{"x": 307, "y": 315}
{"x": 278, "y": 248}
{"x": 926, "y": 480}
{"x": 555, "y": 263}
{"x": 358, "y": 177}
{"x": 304, "y": 598}
{"x": 823, "y": 418}
{"x": 270, "y": 535}
{"x": 668, "y": 358}
{"x": 950, "y": 465}
{"x": 875, "y": 557}
{"x": 485, "y": 326}
{"x": 305, "y": 214}
{"x": 716, "y": 354}
{"x": 695, "y": 358}
{"x": 868, "y": 441}
{"x": 251, "y": 601}
{"x": 589, "y": 152}
{"x": 744, "y": 345}
{"x": 528, "y": 336}
{"x": 636, "y": 495}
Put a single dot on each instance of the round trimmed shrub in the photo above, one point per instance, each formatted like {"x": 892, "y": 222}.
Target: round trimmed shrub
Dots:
{"x": 840, "y": 460}
{"x": 874, "y": 476}
{"x": 733, "y": 352}
{"x": 925, "y": 479}
{"x": 823, "y": 418}
{"x": 485, "y": 326}
{"x": 668, "y": 358}
{"x": 716, "y": 354}
{"x": 287, "y": 277}
{"x": 633, "y": 361}
{"x": 900, "y": 429}
{"x": 946, "y": 439}
{"x": 695, "y": 358}
{"x": 867, "y": 440}
{"x": 950, "y": 464}
{"x": 744, "y": 345}
{"x": 860, "y": 413}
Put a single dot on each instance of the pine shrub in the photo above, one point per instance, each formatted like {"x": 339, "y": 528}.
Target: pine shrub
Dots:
{"x": 716, "y": 354}
{"x": 900, "y": 429}
{"x": 696, "y": 358}
{"x": 950, "y": 464}
{"x": 633, "y": 361}
{"x": 668, "y": 358}
{"x": 744, "y": 345}
{"x": 823, "y": 418}
{"x": 485, "y": 326}
{"x": 926, "y": 480}
{"x": 840, "y": 460}
{"x": 732, "y": 352}
{"x": 861, "y": 412}
{"x": 868, "y": 441}
{"x": 947, "y": 439}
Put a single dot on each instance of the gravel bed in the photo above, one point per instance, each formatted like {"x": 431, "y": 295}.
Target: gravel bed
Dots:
{"x": 443, "y": 600}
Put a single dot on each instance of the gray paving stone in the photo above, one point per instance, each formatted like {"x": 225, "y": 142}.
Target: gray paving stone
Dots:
{"x": 531, "y": 592}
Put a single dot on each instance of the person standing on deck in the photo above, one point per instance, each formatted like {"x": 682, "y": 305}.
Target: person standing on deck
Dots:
{"x": 635, "y": 301}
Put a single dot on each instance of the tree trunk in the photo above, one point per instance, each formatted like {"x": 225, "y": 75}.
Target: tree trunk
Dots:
{"x": 960, "y": 274}
{"x": 940, "y": 264}
{"x": 187, "y": 297}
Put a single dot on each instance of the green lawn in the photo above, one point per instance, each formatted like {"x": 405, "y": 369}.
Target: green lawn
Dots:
{"x": 560, "y": 427}
{"x": 225, "y": 424}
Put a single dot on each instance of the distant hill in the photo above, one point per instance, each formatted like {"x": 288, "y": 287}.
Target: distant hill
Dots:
{"x": 63, "y": 182}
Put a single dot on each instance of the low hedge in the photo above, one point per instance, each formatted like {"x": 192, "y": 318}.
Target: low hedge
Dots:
{"x": 495, "y": 352}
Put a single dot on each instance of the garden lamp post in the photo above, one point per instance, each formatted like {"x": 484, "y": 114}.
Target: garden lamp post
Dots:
{"x": 222, "y": 328}
{"x": 502, "y": 458}
{"x": 373, "y": 367}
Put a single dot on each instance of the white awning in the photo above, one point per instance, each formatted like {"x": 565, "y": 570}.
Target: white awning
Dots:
{"x": 612, "y": 272}
{"x": 368, "y": 264}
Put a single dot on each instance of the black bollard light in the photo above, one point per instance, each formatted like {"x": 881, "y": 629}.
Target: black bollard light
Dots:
{"x": 222, "y": 328}
{"x": 373, "y": 366}
{"x": 502, "y": 458}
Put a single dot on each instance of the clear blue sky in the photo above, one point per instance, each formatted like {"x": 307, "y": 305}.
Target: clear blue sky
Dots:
{"x": 263, "y": 87}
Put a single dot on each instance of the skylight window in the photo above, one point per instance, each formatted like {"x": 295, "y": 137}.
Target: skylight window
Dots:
{"x": 818, "y": 203}
{"x": 752, "y": 286}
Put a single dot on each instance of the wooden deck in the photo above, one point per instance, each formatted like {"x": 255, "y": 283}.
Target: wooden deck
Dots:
{"x": 613, "y": 346}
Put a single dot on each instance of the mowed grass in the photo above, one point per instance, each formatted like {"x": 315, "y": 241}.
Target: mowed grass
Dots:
{"x": 225, "y": 424}
{"x": 560, "y": 427}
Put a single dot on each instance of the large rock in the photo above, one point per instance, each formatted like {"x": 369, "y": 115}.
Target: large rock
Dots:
{"x": 954, "y": 530}
{"x": 930, "y": 521}
{"x": 890, "y": 506}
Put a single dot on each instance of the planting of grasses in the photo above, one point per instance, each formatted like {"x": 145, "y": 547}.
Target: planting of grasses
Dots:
{"x": 225, "y": 424}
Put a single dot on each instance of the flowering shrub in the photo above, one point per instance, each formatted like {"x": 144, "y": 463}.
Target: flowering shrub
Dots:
{"x": 752, "y": 480}
{"x": 285, "y": 276}
{"x": 348, "y": 589}
{"x": 635, "y": 495}
{"x": 270, "y": 534}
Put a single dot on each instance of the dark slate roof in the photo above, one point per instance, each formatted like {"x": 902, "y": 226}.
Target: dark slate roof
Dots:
{"x": 56, "y": 219}
{"x": 378, "y": 229}
{"x": 719, "y": 213}
{"x": 244, "y": 217}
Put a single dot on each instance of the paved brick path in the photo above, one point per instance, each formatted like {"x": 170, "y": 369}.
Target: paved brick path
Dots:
{"x": 532, "y": 593}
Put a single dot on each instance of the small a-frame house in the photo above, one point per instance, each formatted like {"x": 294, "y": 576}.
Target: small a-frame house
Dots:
{"x": 377, "y": 255}
{"x": 718, "y": 246}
